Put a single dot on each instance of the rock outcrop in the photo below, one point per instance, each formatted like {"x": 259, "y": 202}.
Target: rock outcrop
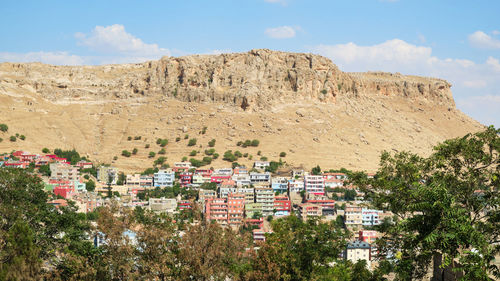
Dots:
{"x": 301, "y": 104}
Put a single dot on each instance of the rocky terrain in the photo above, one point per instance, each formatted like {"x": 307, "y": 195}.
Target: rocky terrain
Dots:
{"x": 301, "y": 104}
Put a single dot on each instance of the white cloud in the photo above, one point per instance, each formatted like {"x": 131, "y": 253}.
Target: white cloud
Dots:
{"x": 483, "y": 108}
{"x": 495, "y": 32}
{"x": 115, "y": 40}
{"x": 281, "y": 32}
{"x": 482, "y": 40}
{"x": 59, "y": 58}
{"x": 469, "y": 79}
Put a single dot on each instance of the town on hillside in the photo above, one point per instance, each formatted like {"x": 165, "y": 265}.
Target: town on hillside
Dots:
{"x": 249, "y": 197}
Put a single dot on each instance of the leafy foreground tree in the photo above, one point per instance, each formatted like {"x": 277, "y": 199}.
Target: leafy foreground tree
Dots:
{"x": 446, "y": 207}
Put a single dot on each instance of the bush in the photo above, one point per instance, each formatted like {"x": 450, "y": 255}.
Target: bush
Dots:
{"x": 282, "y": 154}
{"x": 247, "y": 143}
{"x": 210, "y": 151}
{"x": 211, "y": 143}
{"x": 235, "y": 164}
{"x": 193, "y": 153}
{"x": 255, "y": 143}
{"x": 4, "y": 127}
{"x": 204, "y": 130}
{"x": 163, "y": 142}
{"x": 90, "y": 185}
{"x": 137, "y": 137}
{"x": 45, "y": 150}
{"x": 184, "y": 159}
{"x": 245, "y": 155}
{"x": 129, "y": 138}
{"x": 152, "y": 154}
{"x": 147, "y": 145}
{"x": 207, "y": 160}
{"x": 134, "y": 151}
{"x": 22, "y": 137}
{"x": 162, "y": 151}
{"x": 263, "y": 158}
{"x": 160, "y": 161}
{"x": 126, "y": 153}
{"x": 192, "y": 142}
{"x": 158, "y": 141}
{"x": 229, "y": 156}
{"x": 250, "y": 157}
{"x": 196, "y": 163}
{"x": 259, "y": 152}
{"x": 238, "y": 154}
{"x": 239, "y": 143}
{"x": 177, "y": 139}
{"x": 115, "y": 158}
{"x": 186, "y": 137}
{"x": 12, "y": 138}
{"x": 1, "y": 140}
{"x": 215, "y": 156}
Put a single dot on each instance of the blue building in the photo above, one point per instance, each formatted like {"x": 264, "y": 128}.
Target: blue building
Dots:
{"x": 164, "y": 178}
{"x": 370, "y": 217}
{"x": 279, "y": 184}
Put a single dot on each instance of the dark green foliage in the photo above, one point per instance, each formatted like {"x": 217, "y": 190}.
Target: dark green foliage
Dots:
{"x": 121, "y": 179}
{"x": 229, "y": 156}
{"x": 134, "y": 151}
{"x": 126, "y": 153}
{"x": 193, "y": 153}
{"x": 445, "y": 206}
{"x": 4, "y": 127}
{"x": 210, "y": 151}
{"x": 273, "y": 166}
{"x": 255, "y": 143}
{"x": 12, "y": 138}
{"x": 211, "y": 143}
{"x": 263, "y": 158}
{"x": 283, "y": 154}
{"x": 162, "y": 151}
{"x": 238, "y": 154}
{"x": 150, "y": 171}
{"x": 160, "y": 161}
{"x": 137, "y": 137}
{"x": 209, "y": 185}
{"x": 163, "y": 142}
{"x": 147, "y": 145}
{"x": 196, "y": 163}
{"x": 72, "y": 155}
{"x": 207, "y": 160}
{"x": 215, "y": 156}
{"x": 204, "y": 130}
{"x": 239, "y": 143}
{"x": 22, "y": 137}
{"x": 44, "y": 170}
{"x": 45, "y": 150}
{"x": 151, "y": 154}
{"x": 129, "y": 138}
{"x": 316, "y": 170}
{"x": 186, "y": 137}
{"x": 192, "y": 142}
{"x": 177, "y": 139}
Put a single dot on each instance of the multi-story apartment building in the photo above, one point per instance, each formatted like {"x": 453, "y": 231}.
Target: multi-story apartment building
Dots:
{"x": 265, "y": 196}
{"x": 146, "y": 181}
{"x": 314, "y": 184}
{"x": 279, "y": 184}
{"x": 261, "y": 165}
{"x": 253, "y": 208}
{"x": 370, "y": 217}
{"x": 166, "y": 205}
{"x": 249, "y": 193}
{"x": 353, "y": 216}
{"x": 256, "y": 178}
{"x": 235, "y": 209}
{"x": 216, "y": 210}
{"x": 282, "y": 206}
{"x": 164, "y": 178}
{"x": 358, "y": 250}
{"x": 224, "y": 171}
{"x": 185, "y": 179}
{"x": 309, "y": 210}
{"x": 107, "y": 174}
{"x": 133, "y": 180}
{"x": 64, "y": 171}
{"x": 242, "y": 179}
{"x": 295, "y": 186}
{"x": 182, "y": 166}
{"x": 204, "y": 194}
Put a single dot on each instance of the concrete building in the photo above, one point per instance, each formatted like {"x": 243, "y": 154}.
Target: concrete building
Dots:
{"x": 242, "y": 179}
{"x": 295, "y": 186}
{"x": 282, "y": 206}
{"x": 261, "y": 165}
{"x": 133, "y": 180}
{"x": 107, "y": 174}
{"x": 314, "y": 184}
{"x": 279, "y": 184}
{"x": 162, "y": 205}
{"x": 265, "y": 196}
{"x": 164, "y": 178}
{"x": 256, "y": 178}
{"x": 370, "y": 217}
{"x": 249, "y": 193}
{"x": 353, "y": 217}
{"x": 146, "y": 181}
{"x": 216, "y": 210}
{"x": 235, "y": 209}
{"x": 63, "y": 171}
{"x": 309, "y": 210}
{"x": 253, "y": 208}
{"x": 358, "y": 250}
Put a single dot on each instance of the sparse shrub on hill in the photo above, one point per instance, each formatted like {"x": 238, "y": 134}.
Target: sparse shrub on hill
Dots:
{"x": 115, "y": 158}
{"x": 263, "y": 158}
{"x": 126, "y": 153}
{"x": 211, "y": 143}
{"x": 204, "y": 130}
{"x": 22, "y": 137}
{"x": 1, "y": 140}
{"x": 193, "y": 153}
{"x": 215, "y": 156}
{"x": 45, "y": 150}
{"x": 207, "y": 160}
{"x": 137, "y": 137}
{"x": 184, "y": 159}
{"x": 186, "y": 137}
{"x": 152, "y": 154}
{"x": 177, "y": 139}
{"x": 147, "y": 145}
{"x": 192, "y": 142}
{"x": 255, "y": 143}
{"x": 162, "y": 151}
{"x": 12, "y": 138}
{"x": 134, "y": 151}
{"x": 163, "y": 142}
{"x": 160, "y": 161}
{"x": 4, "y": 127}
{"x": 210, "y": 151}
{"x": 238, "y": 154}
{"x": 229, "y": 156}
{"x": 283, "y": 154}
{"x": 129, "y": 138}
{"x": 239, "y": 143}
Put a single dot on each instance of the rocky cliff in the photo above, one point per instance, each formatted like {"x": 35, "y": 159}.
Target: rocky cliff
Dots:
{"x": 300, "y": 103}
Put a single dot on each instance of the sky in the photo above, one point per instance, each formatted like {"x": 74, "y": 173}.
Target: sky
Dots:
{"x": 456, "y": 40}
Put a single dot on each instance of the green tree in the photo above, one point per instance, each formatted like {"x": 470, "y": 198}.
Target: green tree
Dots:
{"x": 12, "y": 138}
{"x": 22, "y": 137}
{"x": 316, "y": 170}
{"x": 121, "y": 179}
{"x": 445, "y": 206}
{"x": 135, "y": 150}
{"x": 126, "y": 153}
{"x": 255, "y": 143}
{"x": 211, "y": 143}
{"x": 45, "y": 150}
{"x": 283, "y": 154}
{"x": 151, "y": 154}
{"x": 4, "y": 127}
{"x": 192, "y": 142}
{"x": 90, "y": 185}
{"x": 44, "y": 170}
{"x": 193, "y": 153}
{"x": 162, "y": 151}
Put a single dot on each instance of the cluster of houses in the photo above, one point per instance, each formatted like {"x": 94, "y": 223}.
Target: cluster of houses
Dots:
{"x": 237, "y": 197}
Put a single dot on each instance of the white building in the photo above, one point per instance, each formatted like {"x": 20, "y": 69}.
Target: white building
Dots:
{"x": 261, "y": 165}
{"x": 295, "y": 186}
{"x": 265, "y": 196}
{"x": 314, "y": 184}
{"x": 164, "y": 178}
{"x": 256, "y": 178}
{"x": 358, "y": 250}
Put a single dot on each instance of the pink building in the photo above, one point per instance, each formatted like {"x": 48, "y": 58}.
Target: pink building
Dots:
{"x": 235, "y": 208}
{"x": 216, "y": 210}
{"x": 219, "y": 178}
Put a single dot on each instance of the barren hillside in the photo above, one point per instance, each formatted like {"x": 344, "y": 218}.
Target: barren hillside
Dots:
{"x": 301, "y": 104}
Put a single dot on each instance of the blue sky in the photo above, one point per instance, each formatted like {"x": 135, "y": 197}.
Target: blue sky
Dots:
{"x": 455, "y": 40}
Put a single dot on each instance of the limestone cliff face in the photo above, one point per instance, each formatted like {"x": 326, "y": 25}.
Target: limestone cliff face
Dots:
{"x": 259, "y": 78}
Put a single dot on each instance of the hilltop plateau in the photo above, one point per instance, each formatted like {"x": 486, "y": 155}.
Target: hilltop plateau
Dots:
{"x": 301, "y": 104}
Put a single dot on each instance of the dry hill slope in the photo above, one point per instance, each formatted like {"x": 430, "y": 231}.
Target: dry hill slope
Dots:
{"x": 301, "y": 104}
